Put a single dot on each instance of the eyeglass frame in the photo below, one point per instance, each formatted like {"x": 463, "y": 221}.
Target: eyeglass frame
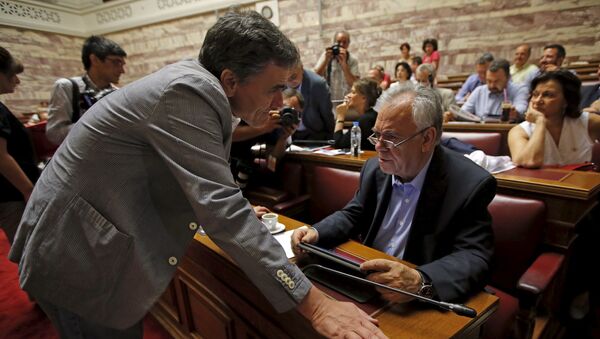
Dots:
{"x": 389, "y": 144}
{"x": 115, "y": 60}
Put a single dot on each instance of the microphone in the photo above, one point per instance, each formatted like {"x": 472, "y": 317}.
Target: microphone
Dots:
{"x": 458, "y": 309}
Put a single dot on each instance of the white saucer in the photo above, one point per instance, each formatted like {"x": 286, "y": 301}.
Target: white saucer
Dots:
{"x": 280, "y": 228}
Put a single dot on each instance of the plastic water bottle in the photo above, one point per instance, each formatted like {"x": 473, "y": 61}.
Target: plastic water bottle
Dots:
{"x": 355, "y": 139}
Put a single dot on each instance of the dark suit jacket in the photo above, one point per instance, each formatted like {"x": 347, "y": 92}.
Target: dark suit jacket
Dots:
{"x": 317, "y": 115}
{"x": 589, "y": 94}
{"x": 451, "y": 237}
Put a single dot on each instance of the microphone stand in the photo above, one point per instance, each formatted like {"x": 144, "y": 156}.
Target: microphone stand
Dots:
{"x": 458, "y": 309}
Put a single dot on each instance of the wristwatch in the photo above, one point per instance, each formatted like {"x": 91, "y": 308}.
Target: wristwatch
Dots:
{"x": 426, "y": 289}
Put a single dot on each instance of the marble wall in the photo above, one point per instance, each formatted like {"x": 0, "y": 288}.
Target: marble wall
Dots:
{"x": 464, "y": 29}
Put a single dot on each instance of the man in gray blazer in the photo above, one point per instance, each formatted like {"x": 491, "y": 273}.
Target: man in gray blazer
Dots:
{"x": 115, "y": 209}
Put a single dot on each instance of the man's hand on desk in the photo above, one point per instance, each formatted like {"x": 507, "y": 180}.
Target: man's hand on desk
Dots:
{"x": 260, "y": 210}
{"x": 334, "y": 319}
{"x": 394, "y": 274}
{"x": 303, "y": 234}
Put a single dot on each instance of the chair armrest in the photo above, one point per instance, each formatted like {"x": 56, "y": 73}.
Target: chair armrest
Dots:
{"x": 540, "y": 273}
{"x": 301, "y": 200}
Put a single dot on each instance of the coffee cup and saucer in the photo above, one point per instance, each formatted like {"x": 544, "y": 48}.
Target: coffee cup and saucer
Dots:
{"x": 270, "y": 220}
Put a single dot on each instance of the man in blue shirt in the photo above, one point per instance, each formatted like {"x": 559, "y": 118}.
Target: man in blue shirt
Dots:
{"x": 476, "y": 79}
{"x": 487, "y": 101}
{"x": 417, "y": 201}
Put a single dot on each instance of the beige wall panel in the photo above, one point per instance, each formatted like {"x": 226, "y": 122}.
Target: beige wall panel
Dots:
{"x": 464, "y": 30}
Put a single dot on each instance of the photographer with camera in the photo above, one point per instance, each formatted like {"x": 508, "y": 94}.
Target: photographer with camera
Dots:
{"x": 104, "y": 62}
{"x": 274, "y": 134}
{"x": 338, "y": 67}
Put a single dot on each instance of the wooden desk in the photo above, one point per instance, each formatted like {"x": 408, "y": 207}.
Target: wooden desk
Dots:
{"x": 347, "y": 162}
{"x": 487, "y": 127}
{"x": 210, "y": 297}
{"x": 569, "y": 195}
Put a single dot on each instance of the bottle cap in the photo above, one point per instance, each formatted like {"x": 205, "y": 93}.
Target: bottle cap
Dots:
{"x": 355, "y": 123}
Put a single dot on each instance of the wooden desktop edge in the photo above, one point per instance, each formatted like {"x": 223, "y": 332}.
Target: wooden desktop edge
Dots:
{"x": 484, "y": 312}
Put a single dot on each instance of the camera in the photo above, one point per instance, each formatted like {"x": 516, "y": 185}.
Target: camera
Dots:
{"x": 288, "y": 116}
{"x": 335, "y": 49}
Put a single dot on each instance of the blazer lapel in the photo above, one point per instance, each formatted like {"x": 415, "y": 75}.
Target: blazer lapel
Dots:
{"x": 383, "y": 181}
{"x": 427, "y": 213}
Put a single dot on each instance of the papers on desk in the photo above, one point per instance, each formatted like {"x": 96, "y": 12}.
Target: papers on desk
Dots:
{"x": 325, "y": 150}
{"x": 285, "y": 240}
{"x": 493, "y": 164}
{"x": 330, "y": 151}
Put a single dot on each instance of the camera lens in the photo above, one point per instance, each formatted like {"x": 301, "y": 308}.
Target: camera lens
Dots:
{"x": 335, "y": 49}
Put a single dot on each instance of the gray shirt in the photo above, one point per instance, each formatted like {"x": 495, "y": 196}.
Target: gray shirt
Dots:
{"x": 484, "y": 103}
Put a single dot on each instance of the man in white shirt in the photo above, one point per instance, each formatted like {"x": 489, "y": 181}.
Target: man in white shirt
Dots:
{"x": 520, "y": 70}
{"x": 338, "y": 67}
{"x": 104, "y": 62}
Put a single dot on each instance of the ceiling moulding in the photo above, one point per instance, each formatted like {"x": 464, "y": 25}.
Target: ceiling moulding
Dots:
{"x": 109, "y": 17}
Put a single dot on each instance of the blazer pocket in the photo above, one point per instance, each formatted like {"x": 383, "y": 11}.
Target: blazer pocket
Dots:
{"x": 84, "y": 250}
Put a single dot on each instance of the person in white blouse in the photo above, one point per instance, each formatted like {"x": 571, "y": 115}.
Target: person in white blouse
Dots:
{"x": 555, "y": 132}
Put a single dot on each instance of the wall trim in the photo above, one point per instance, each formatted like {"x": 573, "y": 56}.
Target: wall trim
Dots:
{"x": 110, "y": 17}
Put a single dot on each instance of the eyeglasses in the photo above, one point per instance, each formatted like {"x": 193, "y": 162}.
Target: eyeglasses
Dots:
{"x": 389, "y": 144}
{"x": 118, "y": 62}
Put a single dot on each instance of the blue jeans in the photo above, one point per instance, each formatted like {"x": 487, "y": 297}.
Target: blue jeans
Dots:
{"x": 71, "y": 326}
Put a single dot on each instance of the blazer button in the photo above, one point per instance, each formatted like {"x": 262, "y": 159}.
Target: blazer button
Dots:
{"x": 280, "y": 273}
{"x": 193, "y": 226}
{"x": 291, "y": 285}
{"x": 172, "y": 261}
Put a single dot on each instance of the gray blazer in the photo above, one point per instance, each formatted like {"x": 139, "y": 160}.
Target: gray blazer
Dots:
{"x": 116, "y": 207}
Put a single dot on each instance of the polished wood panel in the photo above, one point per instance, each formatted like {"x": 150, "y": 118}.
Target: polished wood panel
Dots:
{"x": 336, "y": 161}
{"x": 216, "y": 300}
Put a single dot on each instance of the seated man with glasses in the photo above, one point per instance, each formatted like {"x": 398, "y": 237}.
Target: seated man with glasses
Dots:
{"x": 104, "y": 62}
{"x": 417, "y": 201}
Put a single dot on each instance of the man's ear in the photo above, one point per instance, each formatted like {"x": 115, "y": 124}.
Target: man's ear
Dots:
{"x": 94, "y": 60}
{"x": 229, "y": 81}
{"x": 429, "y": 137}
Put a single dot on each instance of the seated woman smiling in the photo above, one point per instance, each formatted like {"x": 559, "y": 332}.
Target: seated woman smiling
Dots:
{"x": 361, "y": 99}
{"x": 555, "y": 132}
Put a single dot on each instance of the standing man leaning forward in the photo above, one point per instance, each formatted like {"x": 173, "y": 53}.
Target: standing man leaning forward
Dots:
{"x": 417, "y": 201}
{"x": 114, "y": 211}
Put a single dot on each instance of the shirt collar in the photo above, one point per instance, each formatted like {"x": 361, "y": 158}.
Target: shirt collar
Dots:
{"x": 417, "y": 182}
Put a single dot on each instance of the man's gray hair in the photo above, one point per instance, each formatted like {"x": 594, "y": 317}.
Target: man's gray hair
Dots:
{"x": 426, "y": 105}
{"x": 430, "y": 69}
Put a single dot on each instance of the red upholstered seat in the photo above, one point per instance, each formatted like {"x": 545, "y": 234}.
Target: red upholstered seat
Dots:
{"x": 284, "y": 193}
{"x": 489, "y": 143}
{"x": 330, "y": 190}
{"x": 520, "y": 270}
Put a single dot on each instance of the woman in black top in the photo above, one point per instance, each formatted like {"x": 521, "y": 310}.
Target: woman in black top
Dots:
{"x": 18, "y": 171}
{"x": 362, "y": 98}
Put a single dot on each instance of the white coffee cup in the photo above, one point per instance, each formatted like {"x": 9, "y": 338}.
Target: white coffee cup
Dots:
{"x": 270, "y": 220}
